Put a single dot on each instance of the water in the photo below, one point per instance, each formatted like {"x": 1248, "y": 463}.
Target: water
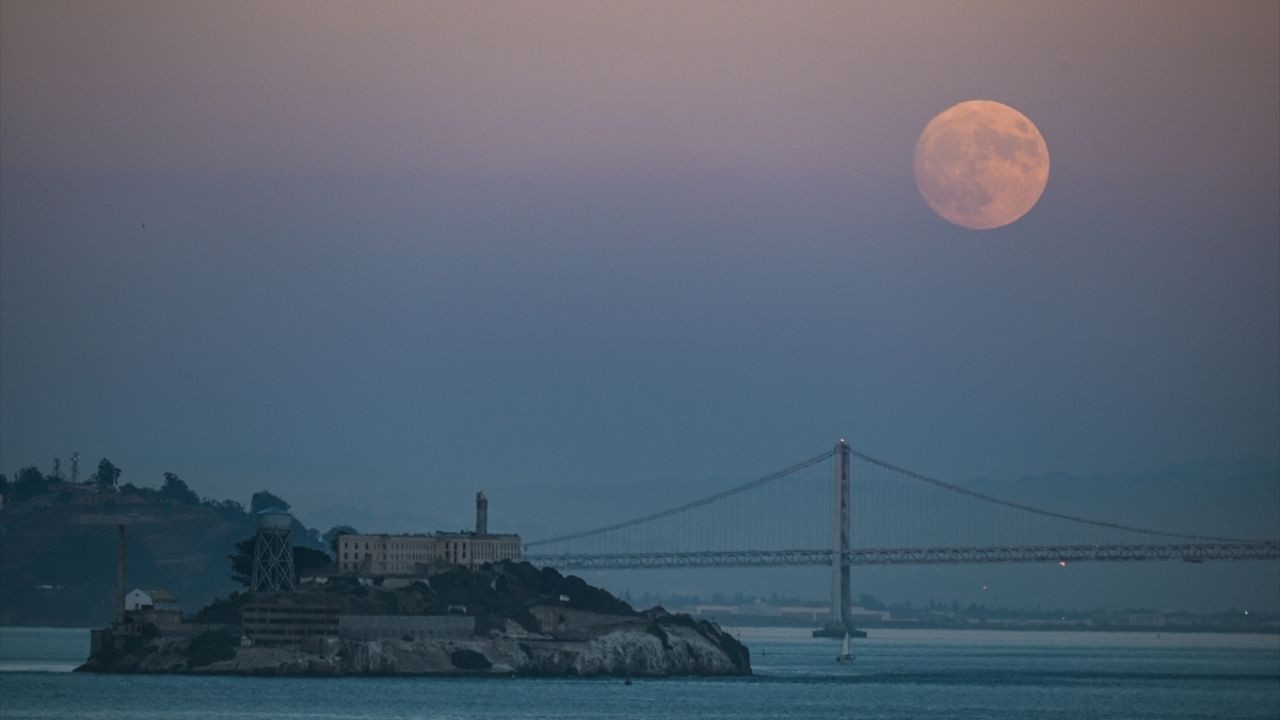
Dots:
{"x": 897, "y": 674}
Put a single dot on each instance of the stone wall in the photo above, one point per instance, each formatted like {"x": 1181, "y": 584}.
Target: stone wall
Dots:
{"x": 397, "y": 627}
{"x": 559, "y": 619}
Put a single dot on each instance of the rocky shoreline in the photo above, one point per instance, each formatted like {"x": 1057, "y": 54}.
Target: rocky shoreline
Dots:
{"x": 666, "y": 646}
{"x": 507, "y": 619}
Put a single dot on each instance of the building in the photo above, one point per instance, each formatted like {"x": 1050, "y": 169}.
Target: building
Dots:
{"x": 151, "y": 599}
{"x": 387, "y": 554}
{"x": 289, "y": 619}
{"x": 413, "y": 554}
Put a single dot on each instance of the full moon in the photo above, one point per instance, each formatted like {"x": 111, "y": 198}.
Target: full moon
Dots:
{"x": 981, "y": 164}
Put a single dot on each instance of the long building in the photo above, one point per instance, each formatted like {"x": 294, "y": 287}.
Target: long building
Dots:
{"x": 411, "y": 554}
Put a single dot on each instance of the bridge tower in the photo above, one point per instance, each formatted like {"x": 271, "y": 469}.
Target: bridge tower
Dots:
{"x": 841, "y": 585}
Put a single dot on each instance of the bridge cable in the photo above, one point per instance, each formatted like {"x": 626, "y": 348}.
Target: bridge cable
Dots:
{"x": 690, "y": 505}
{"x": 1047, "y": 513}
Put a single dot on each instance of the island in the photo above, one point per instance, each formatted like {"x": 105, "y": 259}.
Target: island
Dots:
{"x": 500, "y": 619}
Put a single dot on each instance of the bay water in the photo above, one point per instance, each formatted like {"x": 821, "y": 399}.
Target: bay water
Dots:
{"x": 896, "y": 674}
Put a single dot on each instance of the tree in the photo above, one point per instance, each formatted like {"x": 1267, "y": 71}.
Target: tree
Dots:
{"x": 175, "y": 488}
{"x": 264, "y": 500}
{"x": 331, "y": 538}
{"x": 29, "y": 483}
{"x": 226, "y": 508}
{"x": 108, "y": 474}
{"x": 242, "y": 561}
{"x": 305, "y": 560}
{"x": 6, "y": 487}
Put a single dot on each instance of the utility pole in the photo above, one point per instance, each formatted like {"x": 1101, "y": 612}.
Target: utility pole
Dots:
{"x": 120, "y": 570}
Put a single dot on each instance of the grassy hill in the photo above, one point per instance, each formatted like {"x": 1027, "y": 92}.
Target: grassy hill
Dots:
{"x": 57, "y": 550}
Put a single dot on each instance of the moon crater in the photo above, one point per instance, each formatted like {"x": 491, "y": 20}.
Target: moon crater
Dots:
{"x": 981, "y": 164}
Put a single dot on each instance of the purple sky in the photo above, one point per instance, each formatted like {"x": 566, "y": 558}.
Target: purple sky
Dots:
{"x": 428, "y": 247}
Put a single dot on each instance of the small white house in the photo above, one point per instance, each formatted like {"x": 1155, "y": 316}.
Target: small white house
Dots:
{"x": 150, "y": 599}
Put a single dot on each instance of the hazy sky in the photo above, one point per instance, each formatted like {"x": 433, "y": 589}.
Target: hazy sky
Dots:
{"x": 362, "y": 249}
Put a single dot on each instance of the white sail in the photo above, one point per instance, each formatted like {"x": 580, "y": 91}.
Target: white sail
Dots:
{"x": 846, "y": 649}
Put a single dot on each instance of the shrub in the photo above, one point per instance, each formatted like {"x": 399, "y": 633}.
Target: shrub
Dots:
{"x": 210, "y": 647}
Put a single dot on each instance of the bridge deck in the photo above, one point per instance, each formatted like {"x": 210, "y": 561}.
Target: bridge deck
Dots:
{"x": 1186, "y": 552}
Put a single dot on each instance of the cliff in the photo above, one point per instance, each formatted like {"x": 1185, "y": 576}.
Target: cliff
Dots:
{"x": 502, "y": 619}
{"x": 664, "y": 646}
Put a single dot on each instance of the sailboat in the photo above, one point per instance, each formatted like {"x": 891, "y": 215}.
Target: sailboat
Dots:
{"x": 846, "y": 650}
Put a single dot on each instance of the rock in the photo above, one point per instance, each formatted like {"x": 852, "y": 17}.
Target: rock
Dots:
{"x": 669, "y": 645}
{"x": 528, "y": 621}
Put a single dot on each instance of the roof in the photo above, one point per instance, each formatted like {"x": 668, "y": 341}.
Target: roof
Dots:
{"x": 158, "y": 595}
{"x": 472, "y": 535}
{"x": 439, "y": 534}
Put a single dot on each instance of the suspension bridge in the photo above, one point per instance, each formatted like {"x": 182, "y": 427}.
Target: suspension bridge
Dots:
{"x": 808, "y": 515}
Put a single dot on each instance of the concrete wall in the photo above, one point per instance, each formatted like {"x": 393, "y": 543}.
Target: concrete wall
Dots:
{"x": 396, "y": 627}
{"x": 409, "y": 554}
{"x": 554, "y": 618}
{"x": 288, "y": 623}
{"x": 387, "y": 554}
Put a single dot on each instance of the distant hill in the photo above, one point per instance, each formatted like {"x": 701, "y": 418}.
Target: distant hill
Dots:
{"x": 1239, "y": 498}
{"x": 57, "y": 542}
{"x": 57, "y": 550}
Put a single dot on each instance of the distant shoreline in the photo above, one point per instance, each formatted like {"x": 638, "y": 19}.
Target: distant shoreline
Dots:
{"x": 731, "y": 621}
{"x": 736, "y": 623}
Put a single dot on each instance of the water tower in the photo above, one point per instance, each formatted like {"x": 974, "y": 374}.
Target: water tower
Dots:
{"x": 273, "y": 552}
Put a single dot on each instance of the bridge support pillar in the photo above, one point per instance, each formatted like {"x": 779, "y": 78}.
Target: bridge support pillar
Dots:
{"x": 841, "y": 585}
